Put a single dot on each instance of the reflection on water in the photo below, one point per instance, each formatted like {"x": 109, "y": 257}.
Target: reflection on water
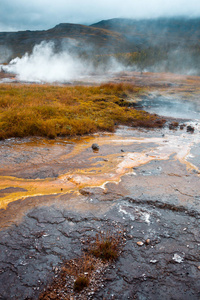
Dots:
{"x": 172, "y": 107}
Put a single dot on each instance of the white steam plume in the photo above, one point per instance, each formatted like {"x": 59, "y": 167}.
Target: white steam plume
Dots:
{"x": 45, "y": 65}
{"x": 5, "y": 54}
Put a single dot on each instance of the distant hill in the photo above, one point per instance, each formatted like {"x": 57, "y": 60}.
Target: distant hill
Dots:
{"x": 83, "y": 38}
{"x": 150, "y": 32}
{"x": 170, "y": 44}
{"x": 164, "y": 44}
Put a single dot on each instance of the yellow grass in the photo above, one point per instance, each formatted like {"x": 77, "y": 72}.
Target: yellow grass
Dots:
{"x": 35, "y": 110}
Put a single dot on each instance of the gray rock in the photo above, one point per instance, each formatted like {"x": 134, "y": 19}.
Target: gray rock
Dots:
{"x": 95, "y": 147}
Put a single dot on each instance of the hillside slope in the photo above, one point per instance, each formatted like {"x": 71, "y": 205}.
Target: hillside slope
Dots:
{"x": 82, "y": 38}
{"x": 164, "y": 44}
{"x": 160, "y": 31}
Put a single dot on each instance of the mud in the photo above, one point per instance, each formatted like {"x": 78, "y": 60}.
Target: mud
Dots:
{"x": 55, "y": 194}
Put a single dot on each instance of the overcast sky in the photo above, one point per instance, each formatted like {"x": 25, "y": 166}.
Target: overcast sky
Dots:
{"x": 45, "y": 14}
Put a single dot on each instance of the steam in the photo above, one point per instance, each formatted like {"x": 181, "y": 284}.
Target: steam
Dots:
{"x": 75, "y": 61}
{"x": 5, "y": 54}
{"x": 180, "y": 61}
{"x": 44, "y": 64}
{"x": 172, "y": 106}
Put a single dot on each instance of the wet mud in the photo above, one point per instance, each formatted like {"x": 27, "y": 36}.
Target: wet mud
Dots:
{"x": 56, "y": 194}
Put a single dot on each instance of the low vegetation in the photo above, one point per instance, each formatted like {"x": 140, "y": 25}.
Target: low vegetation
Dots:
{"x": 78, "y": 277}
{"x": 80, "y": 283}
{"x": 106, "y": 247}
{"x": 51, "y": 111}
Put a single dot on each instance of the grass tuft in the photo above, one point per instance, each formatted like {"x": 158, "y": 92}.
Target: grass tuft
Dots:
{"x": 106, "y": 247}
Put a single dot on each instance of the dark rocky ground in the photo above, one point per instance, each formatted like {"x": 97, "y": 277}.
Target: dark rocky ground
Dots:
{"x": 158, "y": 201}
{"x": 166, "y": 268}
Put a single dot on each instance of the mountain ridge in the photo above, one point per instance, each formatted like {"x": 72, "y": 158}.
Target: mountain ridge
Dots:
{"x": 118, "y": 35}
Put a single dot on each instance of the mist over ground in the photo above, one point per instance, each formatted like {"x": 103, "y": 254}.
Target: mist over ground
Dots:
{"x": 45, "y": 64}
{"x": 67, "y": 52}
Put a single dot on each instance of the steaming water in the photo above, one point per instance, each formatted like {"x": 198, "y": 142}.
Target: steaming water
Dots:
{"x": 172, "y": 107}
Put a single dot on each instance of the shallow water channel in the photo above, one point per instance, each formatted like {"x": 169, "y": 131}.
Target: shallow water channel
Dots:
{"x": 56, "y": 193}
{"x": 172, "y": 107}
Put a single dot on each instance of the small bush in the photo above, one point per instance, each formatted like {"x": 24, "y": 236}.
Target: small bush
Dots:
{"x": 173, "y": 125}
{"x": 106, "y": 247}
{"x": 80, "y": 283}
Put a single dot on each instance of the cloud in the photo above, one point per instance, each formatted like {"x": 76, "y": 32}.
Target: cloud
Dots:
{"x": 37, "y": 14}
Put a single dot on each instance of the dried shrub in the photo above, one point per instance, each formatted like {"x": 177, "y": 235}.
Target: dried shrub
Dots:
{"x": 173, "y": 125}
{"x": 80, "y": 283}
{"x": 75, "y": 276}
{"x": 106, "y": 247}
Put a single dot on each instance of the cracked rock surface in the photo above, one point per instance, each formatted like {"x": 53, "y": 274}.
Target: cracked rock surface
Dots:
{"x": 165, "y": 266}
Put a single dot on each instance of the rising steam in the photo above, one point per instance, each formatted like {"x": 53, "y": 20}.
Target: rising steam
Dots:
{"x": 44, "y": 64}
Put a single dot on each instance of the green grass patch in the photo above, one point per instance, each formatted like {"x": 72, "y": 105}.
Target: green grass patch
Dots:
{"x": 51, "y": 111}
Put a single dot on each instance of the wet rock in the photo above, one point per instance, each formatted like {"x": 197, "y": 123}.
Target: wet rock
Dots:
{"x": 95, "y": 147}
{"x": 140, "y": 243}
{"x": 182, "y": 126}
{"x": 33, "y": 251}
{"x": 153, "y": 261}
{"x": 190, "y": 129}
{"x": 148, "y": 241}
{"x": 177, "y": 258}
{"x": 85, "y": 192}
{"x": 50, "y": 215}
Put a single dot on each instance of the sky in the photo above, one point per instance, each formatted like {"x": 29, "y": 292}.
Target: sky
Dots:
{"x": 44, "y": 14}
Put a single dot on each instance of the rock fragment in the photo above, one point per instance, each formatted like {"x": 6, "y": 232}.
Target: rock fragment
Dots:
{"x": 148, "y": 241}
{"x": 95, "y": 147}
{"x": 140, "y": 243}
{"x": 153, "y": 261}
{"x": 177, "y": 258}
{"x": 190, "y": 129}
